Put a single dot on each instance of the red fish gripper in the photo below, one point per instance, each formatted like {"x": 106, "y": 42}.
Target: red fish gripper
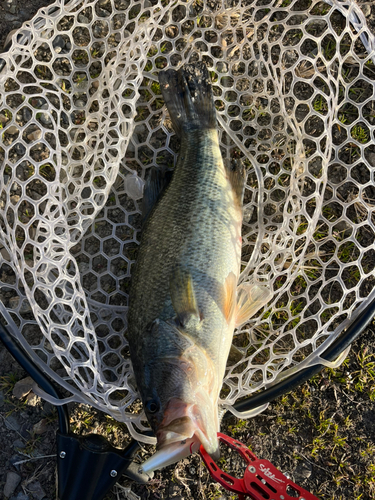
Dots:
{"x": 261, "y": 481}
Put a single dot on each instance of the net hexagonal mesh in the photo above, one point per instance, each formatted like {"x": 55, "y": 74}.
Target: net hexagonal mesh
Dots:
{"x": 83, "y": 121}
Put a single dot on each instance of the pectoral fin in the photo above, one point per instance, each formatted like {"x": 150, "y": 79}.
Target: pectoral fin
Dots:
{"x": 250, "y": 298}
{"x": 229, "y": 296}
{"x": 183, "y": 298}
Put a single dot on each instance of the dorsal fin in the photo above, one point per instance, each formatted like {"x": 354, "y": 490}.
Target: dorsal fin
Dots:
{"x": 158, "y": 179}
{"x": 236, "y": 174}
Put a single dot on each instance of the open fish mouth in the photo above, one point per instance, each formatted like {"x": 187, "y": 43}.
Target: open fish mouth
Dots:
{"x": 183, "y": 435}
{"x": 182, "y": 429}
{"x": 185, "y": 420}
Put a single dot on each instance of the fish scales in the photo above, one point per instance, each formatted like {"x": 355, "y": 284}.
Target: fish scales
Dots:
{"x": 194, "y": 225}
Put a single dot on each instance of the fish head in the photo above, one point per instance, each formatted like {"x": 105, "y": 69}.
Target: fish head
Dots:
{"x": 178, "y": 384}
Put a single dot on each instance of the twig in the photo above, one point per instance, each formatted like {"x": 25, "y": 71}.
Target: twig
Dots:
{"x": 34, "y": 458}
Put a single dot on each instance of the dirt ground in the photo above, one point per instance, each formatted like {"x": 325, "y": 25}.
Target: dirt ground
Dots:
{"x": 322, "y": 434}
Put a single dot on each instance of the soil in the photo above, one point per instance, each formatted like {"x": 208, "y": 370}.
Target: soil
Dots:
{"x": 322, "y": 434}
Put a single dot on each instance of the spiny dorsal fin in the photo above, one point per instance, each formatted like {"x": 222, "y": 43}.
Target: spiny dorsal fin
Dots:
{"x": 158, "y": 179}
{"x": 250, "y": 298}
{"x": 229, "y": 296}
{"x": 183, "y": 297}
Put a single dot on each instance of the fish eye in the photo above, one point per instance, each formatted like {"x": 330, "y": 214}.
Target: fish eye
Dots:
{"x": 152, "y": 406}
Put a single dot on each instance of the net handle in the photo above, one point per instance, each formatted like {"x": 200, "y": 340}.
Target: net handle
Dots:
{"x": 36, "y": 374}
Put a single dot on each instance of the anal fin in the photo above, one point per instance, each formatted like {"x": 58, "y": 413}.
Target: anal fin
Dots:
{"x": 229, "y": 296}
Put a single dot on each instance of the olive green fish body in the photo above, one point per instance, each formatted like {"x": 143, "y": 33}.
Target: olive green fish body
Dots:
{"x": 195, "y": 227}
{"x": 181, "y": 315}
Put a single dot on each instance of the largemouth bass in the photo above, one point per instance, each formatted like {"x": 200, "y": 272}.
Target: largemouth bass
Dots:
{"x": 184, "y": 304}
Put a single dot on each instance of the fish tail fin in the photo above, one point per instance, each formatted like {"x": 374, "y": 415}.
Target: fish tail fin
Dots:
{"x": 188, "y": 96}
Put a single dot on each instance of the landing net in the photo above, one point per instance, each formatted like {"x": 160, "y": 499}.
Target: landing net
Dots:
{"x": 82, "y": 122}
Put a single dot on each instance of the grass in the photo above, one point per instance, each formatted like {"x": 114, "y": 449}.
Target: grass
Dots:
{"x": 320, "y": 104}
{"x": 319, "y": 425}
{"x": 7, "y": 382}
{"x": 360, "y": 134}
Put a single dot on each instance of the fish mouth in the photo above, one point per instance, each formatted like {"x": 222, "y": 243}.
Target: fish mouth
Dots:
{"x": 184, "y": 429}
{"x": 183, "y": 421}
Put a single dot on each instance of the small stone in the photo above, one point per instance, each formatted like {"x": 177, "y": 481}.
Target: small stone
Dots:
{"x": 45, "y": 120}
{"x": 26, "y": 114}
{"x": 10, "y": 17}
{"x": 10, "y": 6}
{"x": 40, "y": 103}
{"x": 25, "y": 430}
{"x": 24, "y": 386}
{"x": 15, "y": 199}
{"x": 34, "y": 136}
{"x": 371, "y": 159}
{"x": 36, "y": 490}
{"x": 41, "y": 427}
{"x": 3, "y": 119}
{"x": 58, "y": 43}
{"x": 11, "y": 483}
{"x": 302, "y": 471}
{"x": 12, "y": 424}
{"x": 25, "y": 307}
{"x": 15, "y": 459}
{"x": 14, "y": 301}
{"x": 32, "y": 399}
{"x": 18, "y": 444}
{"x": 131, "y": 147}
{"x": 98, "y": 30}
{"x": 12, "y": 130}
{"x": 83, "y": 19}
{"x": 139, "y": 129}
{"x": 21, "y": 496}
{"x": 366, "y": 9}
{"x": 80, "y": 103}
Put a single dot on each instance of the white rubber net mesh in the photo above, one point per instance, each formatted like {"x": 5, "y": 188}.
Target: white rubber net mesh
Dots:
{"x": 83, "y": 121}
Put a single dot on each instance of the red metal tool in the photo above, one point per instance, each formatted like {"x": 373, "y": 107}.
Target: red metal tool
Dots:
{"x": 261, "y": 481}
